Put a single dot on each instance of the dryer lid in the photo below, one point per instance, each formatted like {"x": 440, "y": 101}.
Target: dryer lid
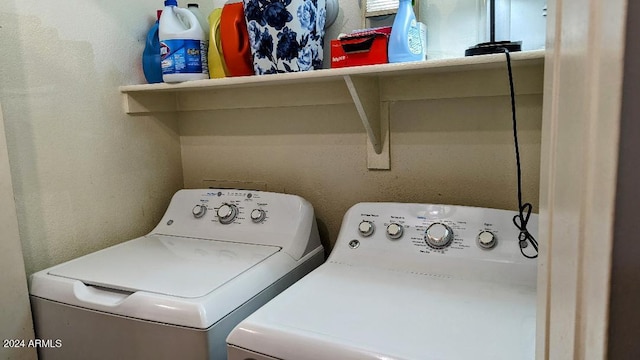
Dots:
{"x": 341, "y": 311}
{"x": 168, "y": 265}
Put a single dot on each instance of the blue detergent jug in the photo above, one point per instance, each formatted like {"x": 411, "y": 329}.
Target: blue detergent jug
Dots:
{"x": 405, "y": 43}
{"x": 151, "y": 62}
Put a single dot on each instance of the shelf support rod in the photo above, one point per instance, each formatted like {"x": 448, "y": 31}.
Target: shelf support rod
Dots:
{"x": 365, "y": 93}
{"x": 381, "y": 161}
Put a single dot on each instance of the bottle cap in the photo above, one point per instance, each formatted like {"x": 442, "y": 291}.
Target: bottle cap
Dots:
{"x": 170, "y": 3}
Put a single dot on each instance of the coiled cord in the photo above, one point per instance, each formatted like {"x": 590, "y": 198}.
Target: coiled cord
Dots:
{"x": 524, "y": 210}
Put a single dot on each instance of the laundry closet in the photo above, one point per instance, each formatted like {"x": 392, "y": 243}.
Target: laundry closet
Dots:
{"x": 95, "y": 156}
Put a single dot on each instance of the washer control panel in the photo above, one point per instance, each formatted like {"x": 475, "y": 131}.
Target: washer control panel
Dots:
{"x": 414, "y": 237}
{"x": 237, "y": 215}
{"x": 232, "y": 206}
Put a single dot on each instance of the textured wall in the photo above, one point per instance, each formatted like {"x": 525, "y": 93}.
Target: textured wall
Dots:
{"x": 456, "y": 151}
{"x": 15, "y": 313}
{"x": 85, "y": 174}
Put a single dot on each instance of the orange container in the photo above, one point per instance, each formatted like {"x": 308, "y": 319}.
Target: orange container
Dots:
{"x": 235, "y": 40}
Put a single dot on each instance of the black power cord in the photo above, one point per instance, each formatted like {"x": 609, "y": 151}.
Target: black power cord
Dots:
{"x": 524, "y": 210}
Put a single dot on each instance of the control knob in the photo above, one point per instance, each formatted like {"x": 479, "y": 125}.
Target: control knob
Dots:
{"x": 258, "y": 215}
{"x": 199, "y": 211}
{"x": 394, "y": 231}
{"x": 486, "y": 239}
{"x": 366, "y": 228}
{"x": 227, "y": 213}
{"x": 438, "y": 235}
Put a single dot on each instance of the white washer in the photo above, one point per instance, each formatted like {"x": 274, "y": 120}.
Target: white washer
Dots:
{"x": 215, "y": 257}
{"x": 406, "y": 281}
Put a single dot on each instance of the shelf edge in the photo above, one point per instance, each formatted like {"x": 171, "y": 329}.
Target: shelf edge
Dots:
{"x": 439, "y": 65}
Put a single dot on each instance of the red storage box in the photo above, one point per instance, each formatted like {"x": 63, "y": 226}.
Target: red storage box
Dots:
{"x": 361, "y": 47}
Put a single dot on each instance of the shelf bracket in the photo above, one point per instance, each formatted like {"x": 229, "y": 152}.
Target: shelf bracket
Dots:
{"x": 365, "y": 92}
{"x": 380, "y": 161}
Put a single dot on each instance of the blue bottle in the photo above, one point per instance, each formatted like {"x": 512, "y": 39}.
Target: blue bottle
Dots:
{"x": 151, "y": 63}
{"x": 405, "y": 42}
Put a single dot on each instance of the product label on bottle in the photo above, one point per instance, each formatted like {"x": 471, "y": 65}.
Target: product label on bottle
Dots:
{"x": 415, "y": 42}
{"x": 183, "y": 56}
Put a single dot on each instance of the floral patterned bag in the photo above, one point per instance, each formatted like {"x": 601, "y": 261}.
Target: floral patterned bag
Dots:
{"x": 285, "y": 35}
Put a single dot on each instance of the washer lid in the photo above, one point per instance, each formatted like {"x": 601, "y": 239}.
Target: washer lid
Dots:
{"x": 169, "y": 265}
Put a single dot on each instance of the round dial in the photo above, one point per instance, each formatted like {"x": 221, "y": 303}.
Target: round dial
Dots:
{"x": 199, "y": 211}
{"x": 227, "y": 213}
{"x": 438, "y": 235}
{"x": 257, "y": 215}
{"x": 366, "y": 228}
{"x": 394, "y": 231}
{"x": 487, "y": 239}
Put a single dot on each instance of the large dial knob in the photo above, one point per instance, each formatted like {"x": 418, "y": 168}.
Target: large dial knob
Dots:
{"x": 227, "y": 213}
{"x": 394, "y": 231}
{"x": 486, "y": 239}
{"x": 438, "y": 235}
{"x": 366, "y": 228}
{"x": 199, "y": 210}
{"x": 257, "y": 215}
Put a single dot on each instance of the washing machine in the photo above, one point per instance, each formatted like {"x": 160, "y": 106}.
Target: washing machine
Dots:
{"x": 406, "y": 281}
{"x": 176, "y": 293}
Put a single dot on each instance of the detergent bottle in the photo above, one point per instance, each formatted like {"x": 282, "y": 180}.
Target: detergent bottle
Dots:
{"x": 405, "y": 42}
{"x": 151, "y": 65}
{"x": 195, "y": 9}
{"x": 235, "y": 39}
{"x": 217, "y": 66}
{"x": 183, "y": 45}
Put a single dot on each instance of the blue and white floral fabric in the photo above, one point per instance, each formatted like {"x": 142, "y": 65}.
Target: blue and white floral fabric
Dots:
{"x": 285, "y": 35}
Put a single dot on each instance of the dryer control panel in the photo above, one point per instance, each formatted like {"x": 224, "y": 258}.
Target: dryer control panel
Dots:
{"x": 447, "y": 240}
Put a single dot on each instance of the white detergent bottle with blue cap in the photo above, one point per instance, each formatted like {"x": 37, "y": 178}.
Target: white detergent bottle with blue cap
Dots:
{"x": 405, "y": 43}
{"x": 183, "y": 45}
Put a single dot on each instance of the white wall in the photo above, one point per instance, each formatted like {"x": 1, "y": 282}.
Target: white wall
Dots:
{"x": 85, "y": 174}
{"x": 15, "y": 314}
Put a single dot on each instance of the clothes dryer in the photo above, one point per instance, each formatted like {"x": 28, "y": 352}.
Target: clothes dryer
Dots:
{"x": 406, "y": 281}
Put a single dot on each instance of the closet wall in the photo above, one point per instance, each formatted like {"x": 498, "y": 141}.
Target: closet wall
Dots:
{"x": 85, "y": 175}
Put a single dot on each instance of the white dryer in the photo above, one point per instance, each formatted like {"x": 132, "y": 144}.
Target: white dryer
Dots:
{"x": 215, "y": 257}
{"x": 406, "y": 281}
